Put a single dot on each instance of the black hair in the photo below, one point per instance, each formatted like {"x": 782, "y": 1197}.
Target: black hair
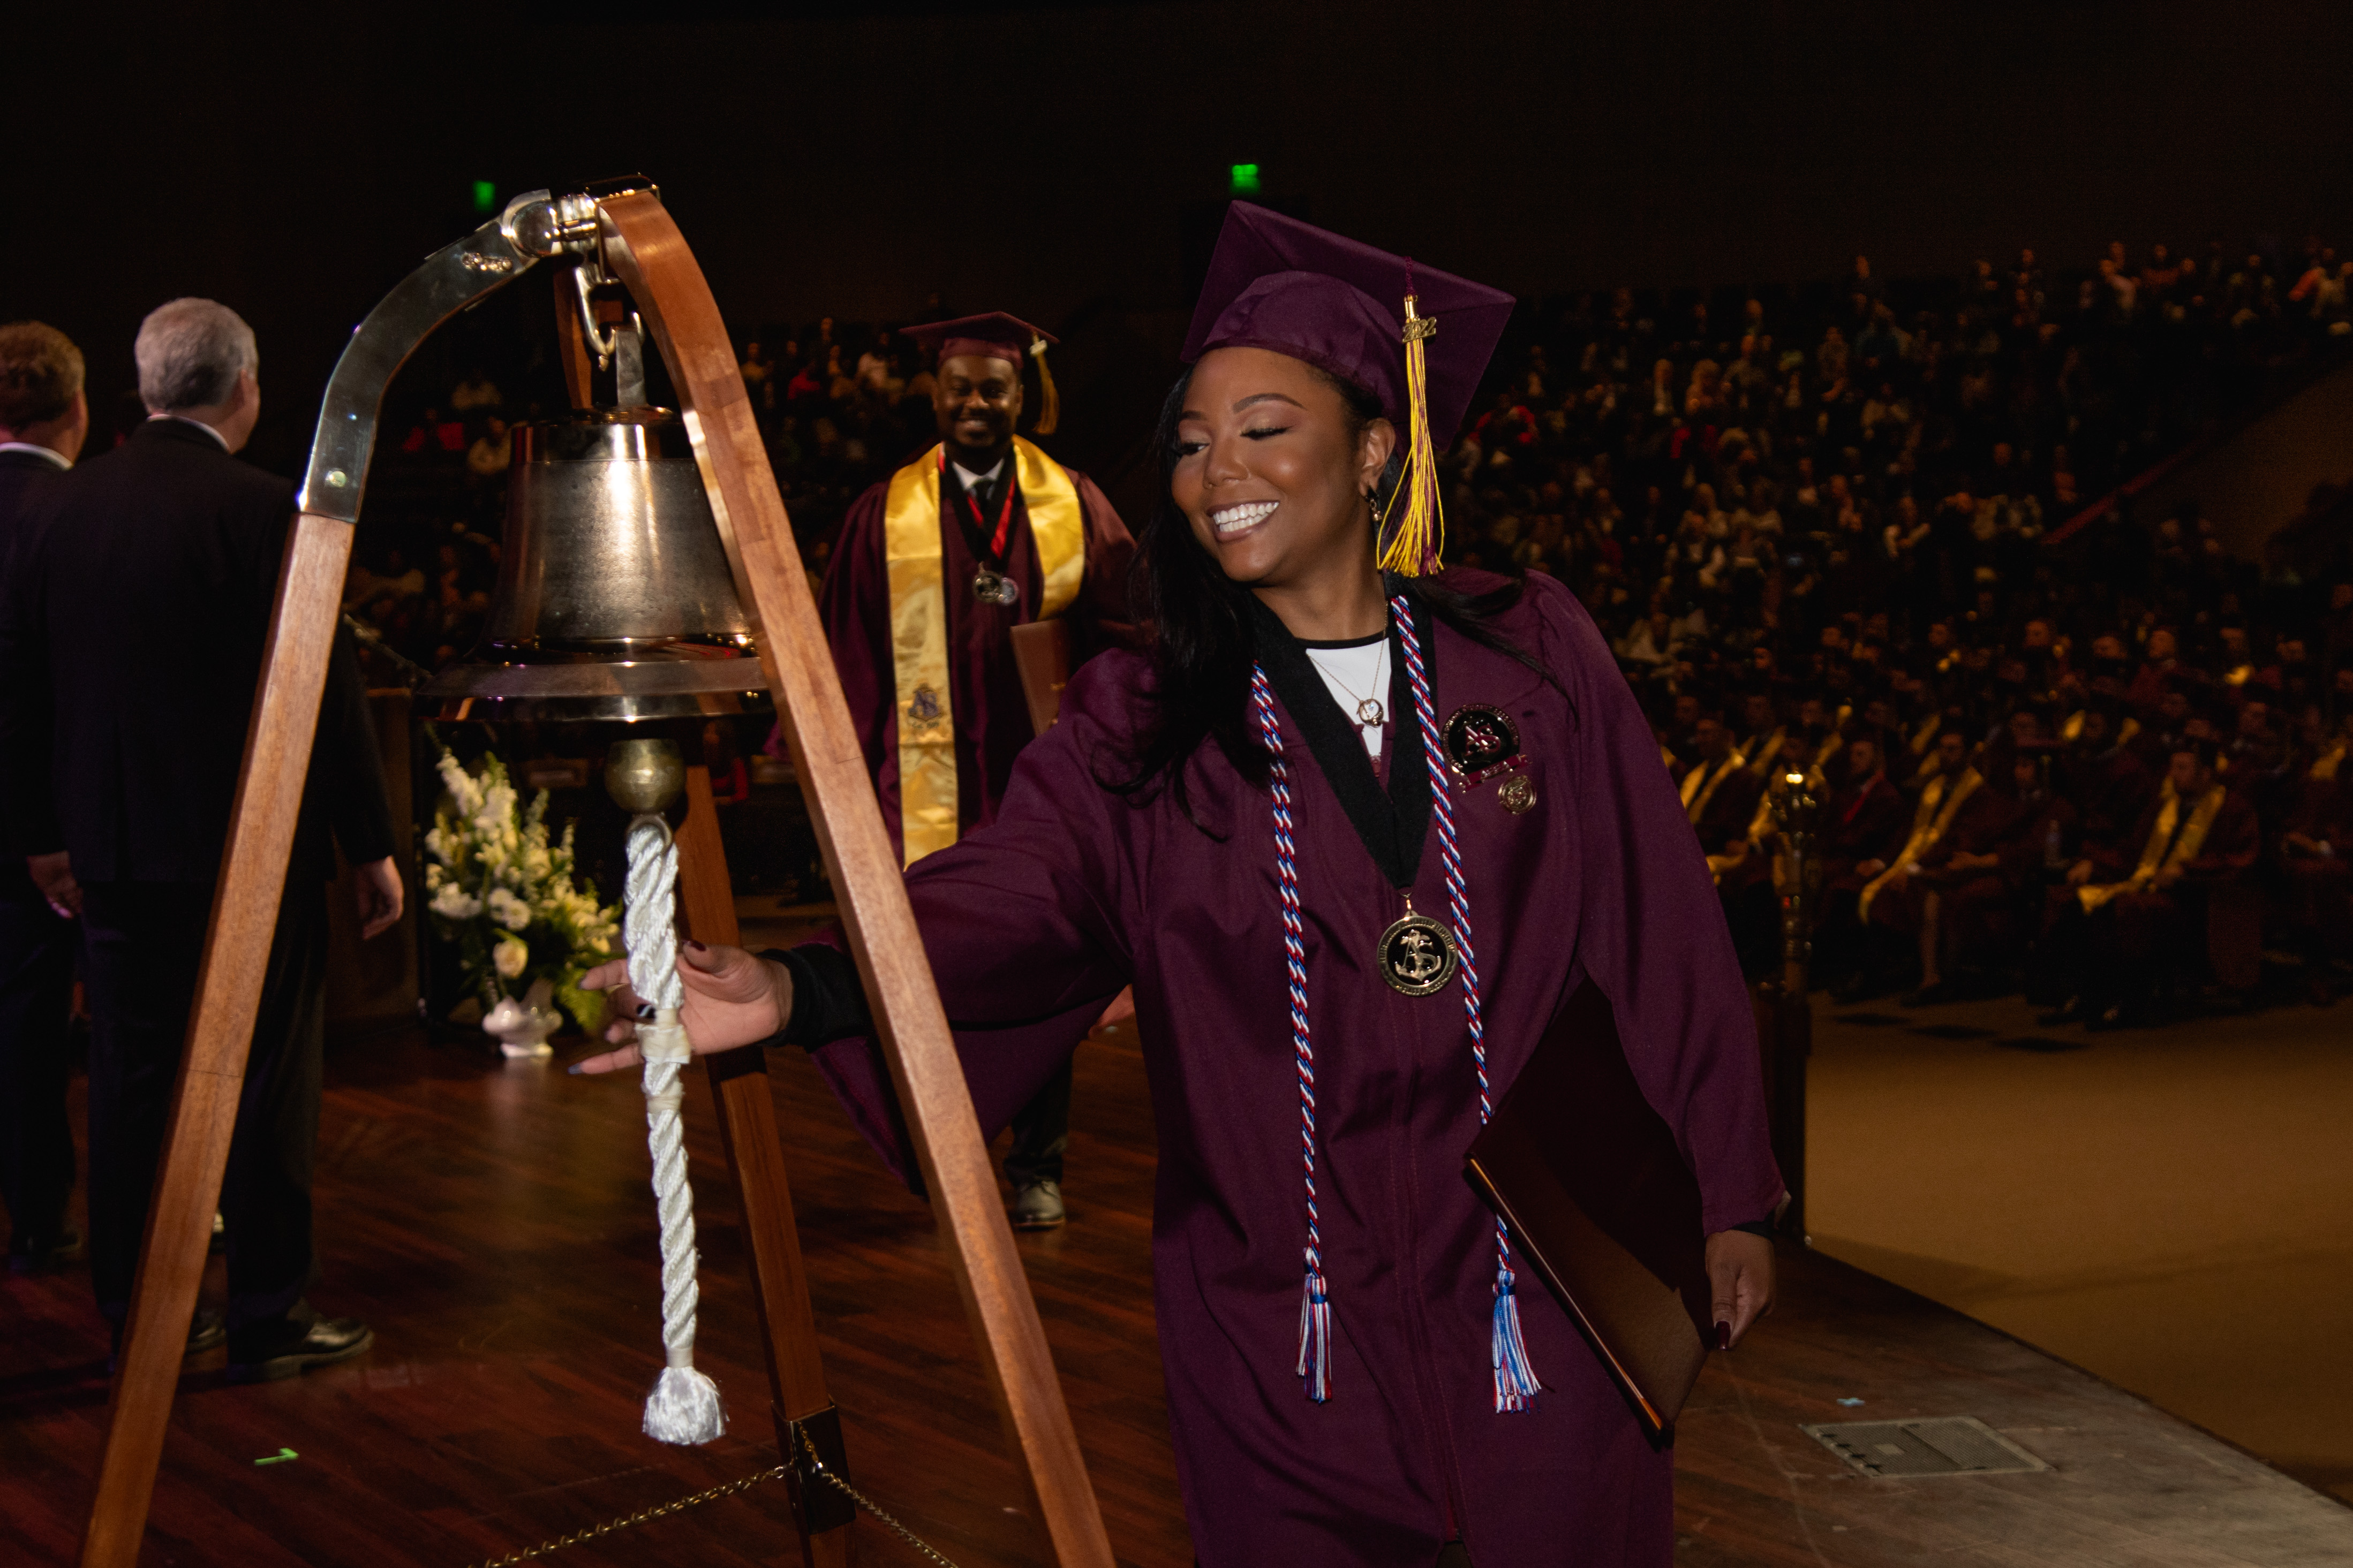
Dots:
{"x": 1198, "y": 631}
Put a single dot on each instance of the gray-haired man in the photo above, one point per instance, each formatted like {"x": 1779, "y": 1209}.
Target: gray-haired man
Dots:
{"x": 137, "y": 610}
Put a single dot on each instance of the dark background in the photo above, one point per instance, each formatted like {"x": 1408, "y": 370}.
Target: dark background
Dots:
{"x": 835, "y": 158}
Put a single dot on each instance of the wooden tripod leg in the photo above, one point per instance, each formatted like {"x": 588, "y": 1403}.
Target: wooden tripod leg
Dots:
{"x": 644, "y": 248}
{"x": 220, "y": 1033}
{"x": 747, "y": 1127}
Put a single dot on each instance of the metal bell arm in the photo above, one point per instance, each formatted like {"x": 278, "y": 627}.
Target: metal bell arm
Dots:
{"x": 453, "y": 278}
{"x": 642, "y": 246}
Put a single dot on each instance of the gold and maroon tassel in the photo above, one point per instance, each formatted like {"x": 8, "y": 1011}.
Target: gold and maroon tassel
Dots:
{"x": 1416, "y": 524}
{"x": 1049, "y": 401}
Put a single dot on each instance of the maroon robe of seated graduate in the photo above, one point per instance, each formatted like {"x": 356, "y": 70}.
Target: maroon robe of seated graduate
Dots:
{"x": 992, "y": 715}
{"x": 1034, "y": 922}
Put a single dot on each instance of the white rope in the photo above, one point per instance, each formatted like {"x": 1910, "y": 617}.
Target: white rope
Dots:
{"x": 684, "y": 1404}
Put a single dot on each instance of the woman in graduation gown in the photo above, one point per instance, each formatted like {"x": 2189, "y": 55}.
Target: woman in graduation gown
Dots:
{"x": 1349, "y": 913}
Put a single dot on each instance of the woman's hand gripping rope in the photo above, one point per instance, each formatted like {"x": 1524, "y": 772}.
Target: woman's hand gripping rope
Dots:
{"x": 731, "y": 998}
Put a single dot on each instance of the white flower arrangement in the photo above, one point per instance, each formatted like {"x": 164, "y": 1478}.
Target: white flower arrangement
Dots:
{"x": 506, "y": 896}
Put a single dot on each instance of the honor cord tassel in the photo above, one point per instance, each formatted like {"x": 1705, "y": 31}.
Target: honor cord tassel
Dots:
{"x": 684, "y": 1406}
{"x": 1314, "y": 1299}
{"x": 1516, "y": 1380}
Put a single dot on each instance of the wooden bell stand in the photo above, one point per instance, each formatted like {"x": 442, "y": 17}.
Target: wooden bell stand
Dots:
{"x": 641, "y": 247}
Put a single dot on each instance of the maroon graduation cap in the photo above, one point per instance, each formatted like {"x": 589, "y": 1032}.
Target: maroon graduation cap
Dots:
{"x": 1415, "y": 337}
{"x": 996, "y": 335}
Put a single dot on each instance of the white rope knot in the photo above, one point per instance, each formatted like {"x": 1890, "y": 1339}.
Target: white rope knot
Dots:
{"x": 684, "y": 1404}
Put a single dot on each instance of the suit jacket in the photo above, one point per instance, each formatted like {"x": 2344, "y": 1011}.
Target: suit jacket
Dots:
{"x": 133, "y": 618}
{"x": 23, "y": 478}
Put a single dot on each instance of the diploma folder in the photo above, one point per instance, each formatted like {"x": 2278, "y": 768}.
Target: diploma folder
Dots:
{"x": 1602, "y": 1207}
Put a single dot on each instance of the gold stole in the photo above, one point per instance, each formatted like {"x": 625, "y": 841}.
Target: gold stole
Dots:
{"x": 1837, "y": 738}
{"x": 1761, "y": 762}
{"x": 928, "y": 815}
{"x": 1929, "y": 825}
{"x": 1760, "y": 827}
{"x": 2185, "y": 848}
{"x": 2325, "y": 768}
{"x": 2073, "y": 730}
{"x": 1699, "y": 789}
{"x": 1927, "y": 734}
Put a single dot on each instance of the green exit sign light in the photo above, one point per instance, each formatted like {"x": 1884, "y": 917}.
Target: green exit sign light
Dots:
{"x": 1245, "y": 178}
{"x": 486, "y": 197}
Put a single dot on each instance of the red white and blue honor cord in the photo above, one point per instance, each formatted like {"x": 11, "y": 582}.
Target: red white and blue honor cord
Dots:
{"x": 1516, "y": 1380}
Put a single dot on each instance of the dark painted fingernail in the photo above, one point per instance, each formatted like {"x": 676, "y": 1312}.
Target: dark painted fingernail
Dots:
{"x": 698, "y": 947}
{"x": 647, "y": 1009}
{"x": 574, "y": 1069}
{"x": 1723, "y": 1336}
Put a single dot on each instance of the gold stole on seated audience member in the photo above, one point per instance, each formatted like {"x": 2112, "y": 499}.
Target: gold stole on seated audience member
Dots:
{"x": 1835, "y": 739}
{"x": 2154, "y": 856}
{"x": 1762, "y": 825}
{"x": 2325, "y": 768}
{"x": 928, "y": 814}
{"x": 1699, "y": 789}
{"x": 1760, "y": 761}
{"x": 1929, "y": 822}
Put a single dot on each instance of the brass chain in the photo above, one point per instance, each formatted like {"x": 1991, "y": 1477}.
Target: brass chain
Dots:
{"x": 660, "y": 1512}
{"x": 863, "y": 1500}
{"x": 729, "y": 1489}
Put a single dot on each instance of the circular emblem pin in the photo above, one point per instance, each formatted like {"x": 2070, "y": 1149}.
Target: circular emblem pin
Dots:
{"x": 1417, "y": 954}
{"x": 1479, "y": 739}
{"x": 994, "y": 588}
{"x": 1518, "y": 795}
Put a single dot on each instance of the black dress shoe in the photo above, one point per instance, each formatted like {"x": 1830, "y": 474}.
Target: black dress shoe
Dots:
{"x": 1038, "y": 1207}
{"x": 37, "y": 1252}
{"x": 281, "y": 1347}
{"x": 1932, "y": 995}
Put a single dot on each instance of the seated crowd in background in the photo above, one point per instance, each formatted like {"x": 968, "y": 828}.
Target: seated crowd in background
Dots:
{"x": 1828, "y": 525}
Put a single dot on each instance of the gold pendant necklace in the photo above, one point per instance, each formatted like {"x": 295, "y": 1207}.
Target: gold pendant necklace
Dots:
{"x": 1371, "y": 714}
{"x": 1417, "y": 954}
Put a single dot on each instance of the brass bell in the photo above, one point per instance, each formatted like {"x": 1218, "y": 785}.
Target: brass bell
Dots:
{"x": 615, "y": 600}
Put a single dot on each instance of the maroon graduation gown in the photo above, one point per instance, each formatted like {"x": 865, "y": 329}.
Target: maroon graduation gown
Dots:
{"x": 992, "y": 715}
{"x": 1033, "y": 923}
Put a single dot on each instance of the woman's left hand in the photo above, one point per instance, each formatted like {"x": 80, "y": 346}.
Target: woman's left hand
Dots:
{"x": 1740, "y": 1283}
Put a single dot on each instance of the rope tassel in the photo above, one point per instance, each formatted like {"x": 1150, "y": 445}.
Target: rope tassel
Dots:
{"x": 1515, "y": 1380}
{"x": 684, "y": 1406}
{"x": 1316, "y": 1337}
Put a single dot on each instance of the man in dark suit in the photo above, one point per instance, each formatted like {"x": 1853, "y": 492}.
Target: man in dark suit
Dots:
{"x": 140, "y": 605}
{"x": 43, "y": 419}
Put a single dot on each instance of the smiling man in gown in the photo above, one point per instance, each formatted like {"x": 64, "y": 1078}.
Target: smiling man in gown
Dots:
{"x": 935, "y": 568}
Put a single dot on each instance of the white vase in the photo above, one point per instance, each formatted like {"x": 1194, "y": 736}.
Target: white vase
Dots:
{"x": 521, "y": 1028}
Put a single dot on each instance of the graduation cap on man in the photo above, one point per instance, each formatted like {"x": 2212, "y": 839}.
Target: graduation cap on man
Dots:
{"x": 996, "y": 335}
{"x": 1415, "y": 338}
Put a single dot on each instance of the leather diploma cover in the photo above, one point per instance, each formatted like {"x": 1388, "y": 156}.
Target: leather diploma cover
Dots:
{"x": 1602, "y": 1208}
{"x": 1041, "y": 652}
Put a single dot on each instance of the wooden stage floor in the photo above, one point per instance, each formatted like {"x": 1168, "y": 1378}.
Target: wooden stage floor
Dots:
{"x": 493, "y": 1222}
